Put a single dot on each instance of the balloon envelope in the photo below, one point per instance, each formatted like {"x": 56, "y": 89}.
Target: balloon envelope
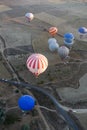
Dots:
{"x": 63, "y": 52}
{"x": 53, "y": 46}
{"x": 68, "y": 44}
{"x": 26, "y": 102}
{"x": 53, "y": 30}
{"x": 82, "y": 30}
{"x": 68, "y": 40}
{"x": 37, "y": 63}
{"x": 29, "y": 16}
{"x": 52, "y": 40}
{"x": 68, "y": 36}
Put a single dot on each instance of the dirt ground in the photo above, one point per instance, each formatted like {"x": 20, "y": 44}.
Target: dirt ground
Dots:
{"x": 57, "y": 74}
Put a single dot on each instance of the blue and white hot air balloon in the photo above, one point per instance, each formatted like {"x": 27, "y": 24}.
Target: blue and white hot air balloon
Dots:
{"x": 68, "y": 36}
{"x": 68, "y": 39}
{"x": 82, "y": 32}
{"x": 26, "y": 103}
{"x": 63, "y": 52}
{"x": 53, "y": 46}
{"x": 68, "y": 43}
{"x": 52, "y": 40}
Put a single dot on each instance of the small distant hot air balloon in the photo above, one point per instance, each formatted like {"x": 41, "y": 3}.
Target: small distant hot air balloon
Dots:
{"x": 52, "y": 40}
{"x": 63, "y": 52}
{"x": 82, "y": 32}
{"x": 37, "y": 64}
{"x": 68, "y": 36}
{"x": 29, "y": 16}
{"x": 68, "y": 39}
{"x": 26, "y": 102}
{"x": 53, "y": 46}
{"x": 53, "y": 31}
{"x": 68, "y": 43}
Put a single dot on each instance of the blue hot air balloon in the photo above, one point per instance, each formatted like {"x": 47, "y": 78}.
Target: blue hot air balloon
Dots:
{"x": 52, "y": 40}
{"x": 26, "y": 102}
{"x": 68, "y": 36}
{"x": 68, "y": 43}
{"x": 68, "y": 40}
{"x": 53, "y": 46}
{"x": 82, "y": 30}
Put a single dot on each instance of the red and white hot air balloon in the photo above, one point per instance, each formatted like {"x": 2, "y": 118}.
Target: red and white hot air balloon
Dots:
{"x": 29, "y": 16}
{"x": 37, "y": 64}
{"x": 53, "y": 31}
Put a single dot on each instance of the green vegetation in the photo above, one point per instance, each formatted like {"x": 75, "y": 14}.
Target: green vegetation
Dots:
{"x": 11, "y": 119}
{"x": 25, "y": 127}
{"x": 21, "y": 67}
{"x": 40, "y": 82}
{"x": 2, "y": 115}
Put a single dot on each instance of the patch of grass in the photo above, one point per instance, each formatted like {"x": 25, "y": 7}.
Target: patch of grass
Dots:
{"x": 51, "y": 78}
{"x": 25, "y": 127}
{"x": 11, "y": 119}
{"x": 40, "y": 82}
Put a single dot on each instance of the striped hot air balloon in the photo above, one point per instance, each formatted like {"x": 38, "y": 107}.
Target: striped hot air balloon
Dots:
{"x": 53, "y": 31}
{"x": 29, "y": 16}
{"x": 37, "y": 64}
{"x": 63, "y": 52}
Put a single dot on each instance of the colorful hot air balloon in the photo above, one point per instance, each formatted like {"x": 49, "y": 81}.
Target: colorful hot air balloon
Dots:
{"x": 63, "y": 52}
{"x": 37, "y": 63}
{"x": 52, "y": 40}
{"x": 29, "y": 16}
{"x": 26, "y": 102}
{"x": 53, "y": 46}
{"x": 53, "y": 31}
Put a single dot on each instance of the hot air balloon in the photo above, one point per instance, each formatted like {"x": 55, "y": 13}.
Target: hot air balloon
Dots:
{"x": 82, "y": 32}
{"x": 63, "y": 52}
{"x": 29, "y": 16}
{"x": 37, "y": 64}
{"x": 26, "y": 102}
{"x": 68, "y": 43}
{"x": 68, "y": 40}
{"x": 53, "y": 46}
{"x": 53, "y": 31}
{"x": 52, "y": 40}
{"x": 68, "y": 36}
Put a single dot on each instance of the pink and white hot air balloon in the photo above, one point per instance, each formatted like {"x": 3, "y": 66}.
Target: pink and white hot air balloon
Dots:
{"x": 37, "y": 64}
{"x": 29, "y": 16}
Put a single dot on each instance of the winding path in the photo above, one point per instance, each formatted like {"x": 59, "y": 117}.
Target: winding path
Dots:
{"x": 63, "y": 110}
